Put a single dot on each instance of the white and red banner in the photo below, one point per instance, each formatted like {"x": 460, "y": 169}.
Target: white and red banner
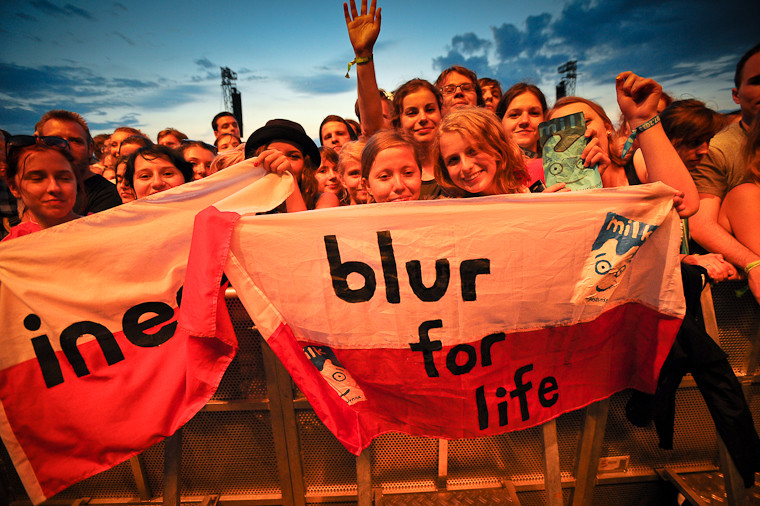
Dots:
{"x": 93, "y": 368}
{"x": 452, "y": 318}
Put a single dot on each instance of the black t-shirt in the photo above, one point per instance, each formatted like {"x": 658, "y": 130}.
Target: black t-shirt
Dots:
{"x": 101, "y": 194}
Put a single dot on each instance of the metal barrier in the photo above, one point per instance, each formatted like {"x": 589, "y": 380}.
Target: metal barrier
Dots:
{"x": 258, "y": 442}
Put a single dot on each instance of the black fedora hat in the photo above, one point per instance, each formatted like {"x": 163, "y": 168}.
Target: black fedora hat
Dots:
{"x": 285, "y": 130}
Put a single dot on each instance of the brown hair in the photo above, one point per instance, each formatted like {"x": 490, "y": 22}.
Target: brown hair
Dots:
{"x": 387, "y": 139}
{"x": 514, "y": 91}
{"x": 170, "y": 131}
{"x": 17, "y": 159}
{"x": 310, "y": 185}
{"x": 690, "y": 121}
{"x": 406, "y": 89}
{"x": 469, "y": 74}
{"x": 485, "y": 130}
{"x": 62, "y": 115}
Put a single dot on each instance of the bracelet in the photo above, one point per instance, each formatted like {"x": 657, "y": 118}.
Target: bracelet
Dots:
{"x": 359, "y": 60}
{"x": 644, "y": 126}
{"x": 751, "y": 266}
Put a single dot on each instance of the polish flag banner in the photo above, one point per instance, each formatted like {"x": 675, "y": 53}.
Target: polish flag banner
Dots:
{"x": 93, "y": 368}
{"x": 452, "y": 318}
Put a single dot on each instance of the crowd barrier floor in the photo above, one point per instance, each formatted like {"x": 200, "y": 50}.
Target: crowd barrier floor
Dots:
{"x": 258, "y": 442}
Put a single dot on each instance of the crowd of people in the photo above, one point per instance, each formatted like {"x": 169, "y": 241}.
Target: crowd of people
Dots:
{"x": 457, "y": 137}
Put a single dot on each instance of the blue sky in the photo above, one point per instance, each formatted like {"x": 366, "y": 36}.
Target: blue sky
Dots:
{"x": 156, "y": 64}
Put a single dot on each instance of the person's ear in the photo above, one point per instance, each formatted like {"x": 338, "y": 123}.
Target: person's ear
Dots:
{"x": 735, "y": 95}
{"x": 14, "y": 189}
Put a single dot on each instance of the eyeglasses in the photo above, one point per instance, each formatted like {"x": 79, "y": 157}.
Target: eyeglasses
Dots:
{"x": 23, "y": 141}
{"x": 452, "y": 88}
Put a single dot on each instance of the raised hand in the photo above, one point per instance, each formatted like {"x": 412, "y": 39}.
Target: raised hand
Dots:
{"x": 273, "y": 161}
{"x": 362, "y": 29}
{"x": 637, "y": 97}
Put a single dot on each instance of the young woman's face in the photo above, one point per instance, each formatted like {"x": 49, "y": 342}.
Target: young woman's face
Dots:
{"x": 592, "y": 120}
{"x": 155, "y": 176}
{"x": 47, "y": 185}
{"x": 126, "y": 192}
{"x": 227, "y": 142}
{"x": 420, "y": 115}
{"x": 335, "y": 134}
{"x": 521, "y": 120}
{"x": 200, "y": 159}
{"x": 352, "y": 180}
{"x": 293, "y": 154}
{"x": 470, "y": 168}
{"x": 395, "y": 176}
{"x": 327, "y": 178}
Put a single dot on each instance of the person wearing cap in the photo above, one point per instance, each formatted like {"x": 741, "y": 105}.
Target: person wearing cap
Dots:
{"x": 282, "y": 145}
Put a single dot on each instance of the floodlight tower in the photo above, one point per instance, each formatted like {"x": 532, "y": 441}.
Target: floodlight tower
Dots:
{"x": 232, "y": 99}
{"x": 566, "y": 87}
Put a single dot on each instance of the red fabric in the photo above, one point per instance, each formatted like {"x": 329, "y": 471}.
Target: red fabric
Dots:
{"x": 535, "y": 168}
{"x": 22, "y": 229}
{"x": 623, "y": 348}
{"x": 120, "y": 409}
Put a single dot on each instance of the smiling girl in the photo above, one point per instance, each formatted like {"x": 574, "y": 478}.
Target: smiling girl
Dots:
{"x": 391, "y": 167}
{"x": 322, "y": 187}
{"x": 156, "y": 169}
{"x": 476, "y": 157}
{"x": 41, "y": 175}
{"x": 522, "y": 109}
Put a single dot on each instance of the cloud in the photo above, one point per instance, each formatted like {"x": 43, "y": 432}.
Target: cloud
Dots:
{"x": 209, "y": 71}
{"x": 118, "y": 6}
{"x": 28, "y": 92}
{"x": 205, "y": 63}
{"x": 469, "y": 43}
{"x": 67, "y": 10}
{"x": 664, "y": 40}
{"x": 27, "y": 17}
{"x": 124, "y": 38}
{"x": 76, "y": 11}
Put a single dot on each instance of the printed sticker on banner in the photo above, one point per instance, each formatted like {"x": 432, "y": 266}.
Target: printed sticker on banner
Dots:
{"x": 334, "y": 373}
{"x": 612, "y": 252}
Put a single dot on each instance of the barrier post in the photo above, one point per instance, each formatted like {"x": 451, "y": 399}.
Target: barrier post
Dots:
{"x": 172, "y": 469}
{"x": 288, "y": 458}
{"x": 364, "y": 478}
{"x": 589, "y": 451}
{"x": 733, "y": 483}
{"x": 552, "y": 474}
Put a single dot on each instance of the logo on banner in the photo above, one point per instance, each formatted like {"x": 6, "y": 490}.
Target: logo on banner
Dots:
{"x": 612, "y": 252}
{"x": 334, "y": 373}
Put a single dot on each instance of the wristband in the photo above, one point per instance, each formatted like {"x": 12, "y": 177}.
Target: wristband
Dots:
{"x": 644, "y": 126}
{"x": 751, "y": 266}
{"x": 359, "y": 60}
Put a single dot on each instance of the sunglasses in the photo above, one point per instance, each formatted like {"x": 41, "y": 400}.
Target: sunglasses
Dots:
{"x": 16, "y": 142}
